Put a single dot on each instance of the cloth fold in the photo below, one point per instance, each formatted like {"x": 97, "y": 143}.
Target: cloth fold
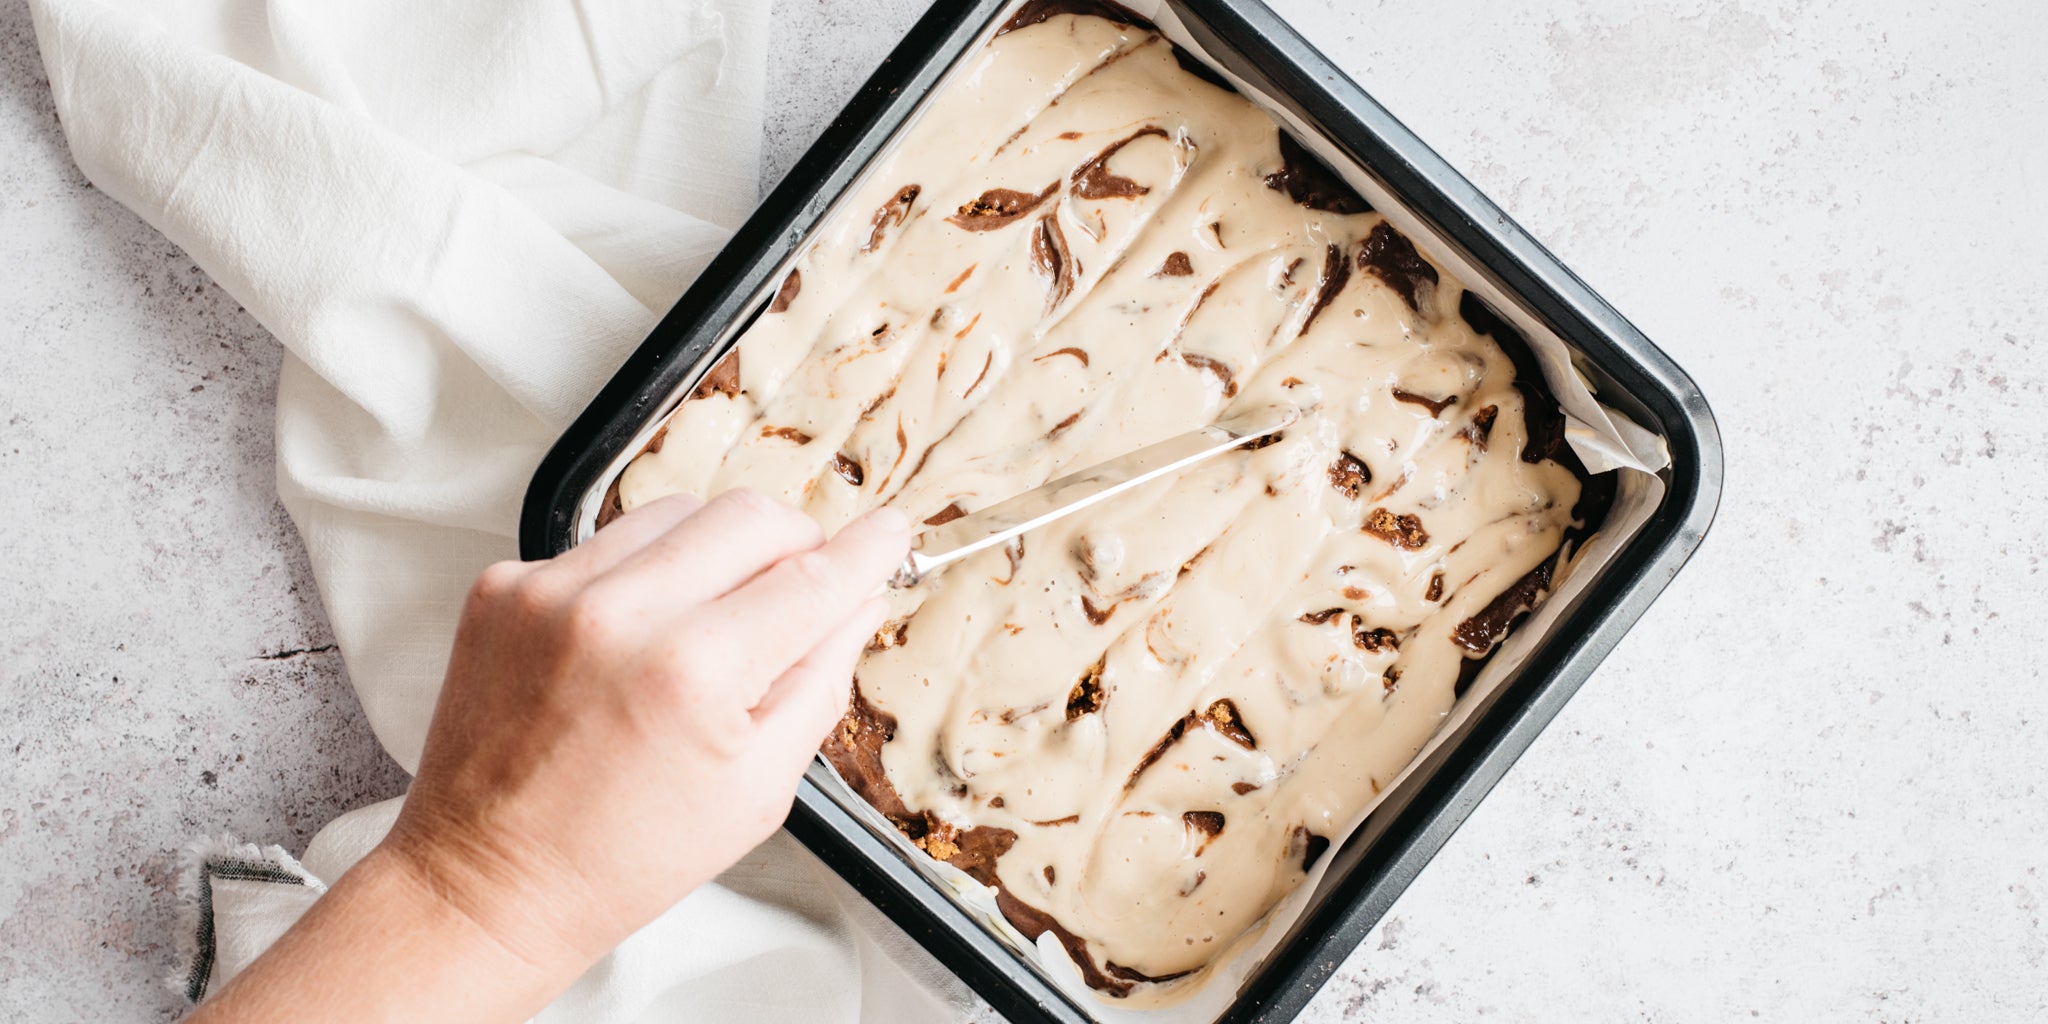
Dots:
{"x": 458, "y": 217}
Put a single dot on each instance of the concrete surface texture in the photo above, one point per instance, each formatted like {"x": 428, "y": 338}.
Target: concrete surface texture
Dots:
{"x": 1808, "y": 787}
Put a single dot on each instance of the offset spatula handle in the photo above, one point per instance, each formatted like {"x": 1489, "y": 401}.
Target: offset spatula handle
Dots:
{"x": 998, "y": 524}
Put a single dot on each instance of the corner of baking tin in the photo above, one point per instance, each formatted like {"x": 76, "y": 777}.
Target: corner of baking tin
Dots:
{"x": 1698, "y": 462}
{"x": 1711, "y": 458}
{"x": 539, "y": 507}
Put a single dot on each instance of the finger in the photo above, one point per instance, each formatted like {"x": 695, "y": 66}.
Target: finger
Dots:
{"x": 723, "y": 545}
{"x": 627, "y": 534}
{"x": 775, "y": 620}
{"x": 799, "y": 711}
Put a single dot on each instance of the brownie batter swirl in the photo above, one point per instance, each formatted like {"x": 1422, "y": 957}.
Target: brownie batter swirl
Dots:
{"x": 1144, "y": 724}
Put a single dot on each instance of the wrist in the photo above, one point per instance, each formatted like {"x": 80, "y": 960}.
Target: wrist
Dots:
{"x": 483, "y": 901}
{"x": 387, "y": 943}
{"x": 443, "y": 921}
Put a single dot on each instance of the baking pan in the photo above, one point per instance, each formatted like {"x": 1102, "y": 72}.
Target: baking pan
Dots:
{"x": 1254, "y": 47}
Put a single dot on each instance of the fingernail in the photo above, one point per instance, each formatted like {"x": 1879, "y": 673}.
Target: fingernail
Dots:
{"x": 890, "y": 519}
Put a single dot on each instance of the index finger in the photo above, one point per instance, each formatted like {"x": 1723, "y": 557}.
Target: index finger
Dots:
{"x": 719, "y": 547}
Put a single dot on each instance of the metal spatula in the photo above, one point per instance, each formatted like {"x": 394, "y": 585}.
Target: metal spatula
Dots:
{"x": 997, "y": 524}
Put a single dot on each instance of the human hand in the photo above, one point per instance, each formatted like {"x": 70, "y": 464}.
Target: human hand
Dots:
{"x": 618, "y": 725}
{"x": 624, "y": 722}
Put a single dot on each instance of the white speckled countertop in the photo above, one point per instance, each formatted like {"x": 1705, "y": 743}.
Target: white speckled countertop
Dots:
{"x": 1808, "y": 787}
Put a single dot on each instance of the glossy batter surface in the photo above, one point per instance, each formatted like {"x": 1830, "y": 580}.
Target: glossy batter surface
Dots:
{"x": 1144, "y": 723}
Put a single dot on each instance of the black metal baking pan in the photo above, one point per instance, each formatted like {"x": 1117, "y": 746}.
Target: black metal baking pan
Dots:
{"x": 1370, "y": 871}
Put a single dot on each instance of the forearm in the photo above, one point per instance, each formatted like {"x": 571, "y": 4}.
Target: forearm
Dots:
{"x": 385, "y": 945}
{"x": 618, "y": 725}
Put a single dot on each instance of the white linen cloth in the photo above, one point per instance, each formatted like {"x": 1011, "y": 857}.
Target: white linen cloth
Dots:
{"x": 458, "y": 216}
